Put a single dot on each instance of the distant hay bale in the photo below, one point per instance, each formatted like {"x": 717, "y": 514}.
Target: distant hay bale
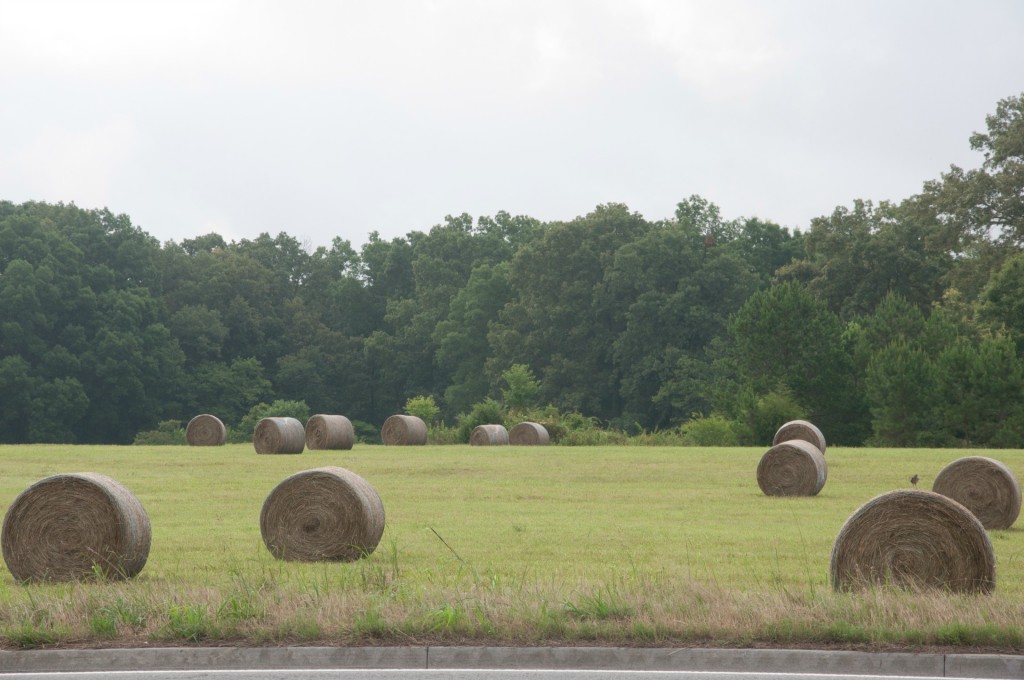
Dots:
{"x": 916, "y": 539}
{"x": 75, "y": 526}
{"x": 800, "y": 429}
{"x": 329, "y": 432}
{"x": 324, "y": 514}
{"x": 792, "y": 468}
{"x": 206, "y": 430}
{"x": 984, "y": 486}
{"x": 279, "y": 435}
{"x": 489, "y": 435}
{"x": 528, "y": 434}
{"x": 402, "y": 430}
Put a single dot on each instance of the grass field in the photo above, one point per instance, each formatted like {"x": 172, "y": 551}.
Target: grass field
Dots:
{"x": 510, "y": 545}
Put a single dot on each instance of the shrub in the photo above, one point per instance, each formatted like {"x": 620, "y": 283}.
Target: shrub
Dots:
{"x": 281, "y": 408}
{"x": 488, "y": 411}
{"x": 167, "y": 433}
{"x": 769, "y": 412}
{"x": 712, "y": 430}
{"x": 424, "y": 408}
{"x": 365, "y": 432}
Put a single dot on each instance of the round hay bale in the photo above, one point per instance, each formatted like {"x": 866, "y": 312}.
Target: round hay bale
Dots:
{"x": 279, "y": 435}
{"x": 324, "y": 514}
{"x": 917, "y": 539}
{"x": 800, "y": 429}
{"x": 984, "y": 486}
{"x": 489, "y": 435}
{"x": 402, "y": 430}
{"x": 206, "y": 430}
{"x": 329, "y": 432}
{"x": 75, "y": 526}
{"x": 528, "y": 434}
{"x": 792, "y": 468}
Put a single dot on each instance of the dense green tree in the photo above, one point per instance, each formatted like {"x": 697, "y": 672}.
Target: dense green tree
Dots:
{"x": 1001, "y": 305}
{"x": 858, "y": 256}
{"x": 987, "y": 203}
{"x": 902, "y": 388}
{"x": 461, "y": 337}
{"x": 561, "y": 323}
{"x": 674, "y": 295}
{"x": 785, "y": 338}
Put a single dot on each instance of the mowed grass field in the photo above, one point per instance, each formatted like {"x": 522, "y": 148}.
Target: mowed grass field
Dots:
{"x": 506, "y": 545}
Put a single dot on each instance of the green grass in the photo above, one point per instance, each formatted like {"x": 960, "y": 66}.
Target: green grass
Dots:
{"x": 511, "y": 545}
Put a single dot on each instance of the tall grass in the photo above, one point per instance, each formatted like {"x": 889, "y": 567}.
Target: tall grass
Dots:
{"x": 511, "y": 545}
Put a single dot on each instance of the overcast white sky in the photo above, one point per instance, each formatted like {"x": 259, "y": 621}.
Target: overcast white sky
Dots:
{"x": 338, "y": 118}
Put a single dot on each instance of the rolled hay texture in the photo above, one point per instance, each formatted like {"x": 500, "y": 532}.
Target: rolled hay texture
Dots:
{"x": 800, "y": 429}
{"x": 916, "y": 539}
{"x": 329, "y": 432}
{"x": 984, "y": 486}
{"x": 792, "y": 468}
{"x": 402, "y": 430}
{"x": 323, "y": 514}
{"x": 75, "y": 526}
{"x": 206, "y": 430}
{"x": 279, "y": 435}
{"x": 528, "y": 434}
{"x": 489, "y": 435}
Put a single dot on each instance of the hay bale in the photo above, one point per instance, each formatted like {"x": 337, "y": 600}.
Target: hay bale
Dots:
{"x": 329, "y": 432}
{"x": 402, "y": 430}
{"x": 984, "y": 486}
{"x": 279, "y": 435}
{"x": 324, "y": 514}
{"x": 916, "y": 539}
{"x": 206, "y": 430}
{"x": 75, "y": 526}
{"x": 489, "y": 435}
{"x": 800, "y": 429}
{"x": 528, "y": 434}
{"x": 792, "y": 468}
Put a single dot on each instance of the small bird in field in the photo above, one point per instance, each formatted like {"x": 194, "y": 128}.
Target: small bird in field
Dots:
{"x": 914, "y": 480}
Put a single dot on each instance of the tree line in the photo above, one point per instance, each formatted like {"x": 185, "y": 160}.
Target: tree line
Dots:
{"x": 890, "y": 324}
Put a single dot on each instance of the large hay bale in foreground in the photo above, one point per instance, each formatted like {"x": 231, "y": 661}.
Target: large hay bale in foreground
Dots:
{"x": 528, "y": 434}
{"x": 800, "y": 429}
{"x": 916, "y": 539}
{"x": 206, "y": 430}
{"x": 403, "y": 430}
{"x": 984, "y": 486}
{"x": 332, "y": 432}
{"x": 279, "y": 435}
{"x": 792, "y": 468}
{"x": 489, "y": 435}
{"x": 327, "y": 513}
{"x": 75, "y": 526}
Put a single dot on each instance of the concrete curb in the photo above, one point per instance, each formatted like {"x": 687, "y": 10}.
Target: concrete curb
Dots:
{"x": 549, "y": 658}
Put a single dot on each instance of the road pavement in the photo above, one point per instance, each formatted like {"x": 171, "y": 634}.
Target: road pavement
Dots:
{"x": 439, "y": 660}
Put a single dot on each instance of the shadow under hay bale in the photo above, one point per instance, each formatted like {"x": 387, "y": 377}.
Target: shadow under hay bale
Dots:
{"x": 792, "y": 468}
{"x": 323, "y": 514}
{"x": 800, "y": 429}
{"x": 489, "y": 435}
{"x": 916, "y": 539}
{"x": 528, "y": 434}
{"x": 206, "y": 430}
{"x": 329, "y": 432}
{"x": 984, "y": 486}
{"x": 75, "y": 526}
{"x": 279, "y": 435}
{"x": 402, "y": 430}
